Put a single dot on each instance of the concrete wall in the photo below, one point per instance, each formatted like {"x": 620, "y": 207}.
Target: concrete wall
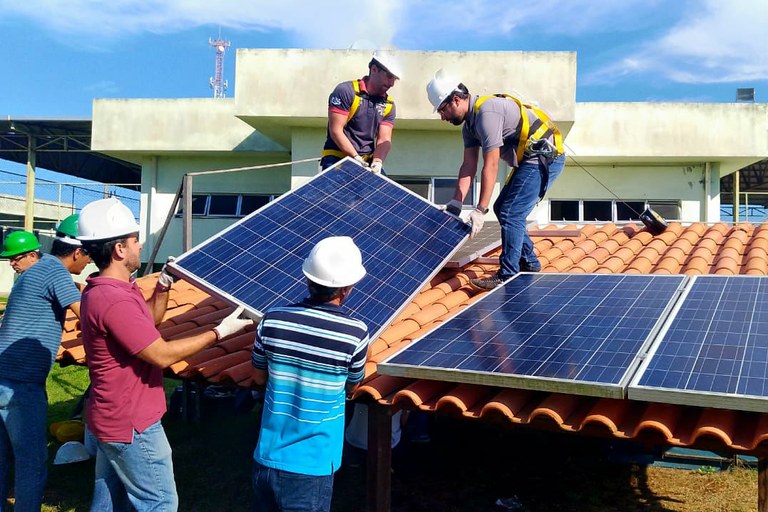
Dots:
{"x": 279, "y": 113}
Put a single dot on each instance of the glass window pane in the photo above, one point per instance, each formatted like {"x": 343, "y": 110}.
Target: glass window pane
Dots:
{"x": 417, "y": 186}
{"x": 629, "y": 210}
{"x": 251, "y": 203}
{"x": 443, "y": 189}
{"x": 223, "y": 205}
{"x": 563, "y": 210}
{"x": 669, "y": 210}
{"x": 597, "y": 210}
{"x": 199, "y": 203}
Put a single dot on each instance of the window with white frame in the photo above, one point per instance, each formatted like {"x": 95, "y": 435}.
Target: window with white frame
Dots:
{"x": 225, "y": 205}
{"x": 437, "y": 190}
{"x": 583, "y": 210}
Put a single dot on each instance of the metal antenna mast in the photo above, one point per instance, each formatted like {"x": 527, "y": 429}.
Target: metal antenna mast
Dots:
{"x": 218, "y": 84}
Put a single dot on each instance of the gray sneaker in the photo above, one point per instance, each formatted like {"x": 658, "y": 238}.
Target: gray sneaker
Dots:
{"x": 486, "y": 283}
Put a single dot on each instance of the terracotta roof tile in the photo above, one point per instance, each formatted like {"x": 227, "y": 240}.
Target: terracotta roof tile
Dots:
{"x": 688, "y": 249}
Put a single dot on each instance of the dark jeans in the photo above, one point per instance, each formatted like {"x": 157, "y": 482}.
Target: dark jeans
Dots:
{"x": 515, "y": 202}
{"x": 282, "y": 491}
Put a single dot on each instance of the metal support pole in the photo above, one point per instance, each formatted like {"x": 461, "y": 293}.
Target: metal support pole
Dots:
{"x": 163, "y": 230}
{"x": 379, "y": 467}
{"x": 187, "y": 215}
{"x": 29, "y": 203}
{"x": 736, "y": 198}
{"x": 762, "y": 483}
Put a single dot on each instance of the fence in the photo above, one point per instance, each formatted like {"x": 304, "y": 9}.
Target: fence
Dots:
{"x": 753, "y": 207}
{"x": 54, "y": 201}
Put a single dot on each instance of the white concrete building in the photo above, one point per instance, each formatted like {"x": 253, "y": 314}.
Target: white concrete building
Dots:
{"x": 667, "y": 155}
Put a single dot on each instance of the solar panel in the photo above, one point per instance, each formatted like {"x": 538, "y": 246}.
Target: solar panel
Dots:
{"x": 713, "y": 351}
{"x": 486, "y": 241}
{"x": 404, "y": 240}
{"x": 571, "y": 333}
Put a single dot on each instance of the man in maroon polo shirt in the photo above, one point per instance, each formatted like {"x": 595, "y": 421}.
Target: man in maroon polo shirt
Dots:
{"x": 126, "y": 355}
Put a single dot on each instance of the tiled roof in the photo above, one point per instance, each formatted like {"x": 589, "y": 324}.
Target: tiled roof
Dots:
{"x": 682, "y": 249}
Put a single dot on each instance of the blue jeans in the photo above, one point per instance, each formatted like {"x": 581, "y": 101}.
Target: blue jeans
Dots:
{"x": 282, "y": 491}
{"x": 515, "y": 202}
{"x": 137, "y": 474}
{"x": 23, "y": 409}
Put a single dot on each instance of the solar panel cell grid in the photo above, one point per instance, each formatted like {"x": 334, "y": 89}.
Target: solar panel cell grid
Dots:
{"x": 404, "y": 240}
{"x": 558, "y": 332}
{"x": 714, "y": 351}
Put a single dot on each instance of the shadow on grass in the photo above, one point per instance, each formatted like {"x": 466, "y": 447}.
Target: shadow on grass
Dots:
{"x": 466, "y": 467}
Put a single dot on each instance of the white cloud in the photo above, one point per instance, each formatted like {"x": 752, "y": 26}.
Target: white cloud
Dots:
{"x": 336, "y": 25}
{"x": 102, "y": 88}
{"x": 717, "y": 42}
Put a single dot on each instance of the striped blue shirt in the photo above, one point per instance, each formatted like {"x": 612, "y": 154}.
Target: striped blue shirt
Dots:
{"x": 30, "y": 334}
{"x": 310, "y": 351}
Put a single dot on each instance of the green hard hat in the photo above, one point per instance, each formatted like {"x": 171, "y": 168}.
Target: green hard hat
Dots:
{"x": 19, "y": 242}
{"x": 68, "y": 226}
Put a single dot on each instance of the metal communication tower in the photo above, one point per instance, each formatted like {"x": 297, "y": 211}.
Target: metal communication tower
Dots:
{"x": 218, "y": 84}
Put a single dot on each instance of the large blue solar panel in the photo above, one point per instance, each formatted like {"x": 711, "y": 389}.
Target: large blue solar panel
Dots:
{"x": 404, "y": 240}
{"x": 572, "y": 333}
{"x": 713, "y": 351}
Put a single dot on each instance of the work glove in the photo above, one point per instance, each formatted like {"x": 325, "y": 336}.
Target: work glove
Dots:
{"x": 453, "y": 207}
{"x": 476, "y": 219}
{"x": 361, "y": 161}
{"x": 232, "y": 324}
{"x": 376, "y": 165}
{"x": 166, "y": 279}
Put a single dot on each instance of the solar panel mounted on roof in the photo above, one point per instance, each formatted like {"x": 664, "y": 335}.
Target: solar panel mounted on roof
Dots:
{"x": 571, "y": 333}
{"x": 403, "y": 238}
{"x": 713, "y": 350}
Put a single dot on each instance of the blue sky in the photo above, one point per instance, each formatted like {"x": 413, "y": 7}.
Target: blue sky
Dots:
{"x": 58, "y": 56}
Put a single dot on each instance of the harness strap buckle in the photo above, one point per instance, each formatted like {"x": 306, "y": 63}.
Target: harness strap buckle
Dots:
{"x": 541, "y": 147}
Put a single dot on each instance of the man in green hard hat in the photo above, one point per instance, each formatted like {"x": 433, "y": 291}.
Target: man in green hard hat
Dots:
{"x": 22, "y": 250}
{"x": 30, "y": 335}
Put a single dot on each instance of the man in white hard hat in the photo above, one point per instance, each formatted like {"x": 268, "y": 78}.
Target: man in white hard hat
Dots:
{"x": 30, "y": 335}
{"x": 361, "y": 115}
{"x": 126, "y": 355}
{"x": 521, "y": 135}
{"x": 311, "y": 355}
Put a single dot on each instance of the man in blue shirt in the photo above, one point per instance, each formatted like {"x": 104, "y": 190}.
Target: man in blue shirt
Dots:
{"x": 30, "y": 335}
{"x": 311, "y": 355}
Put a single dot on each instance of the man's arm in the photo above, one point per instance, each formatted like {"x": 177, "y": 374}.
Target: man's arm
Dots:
{"x": 467, "y": 173}
{"x": 488, "y": 176}
{"x": 383, "y": 142}
{"x": 336, "y": 123}
{"x": 164, "y": 353}
{"x": 158, "y": 303}
{"x": 75, "y": 308}
{"x": 259, "y": 376}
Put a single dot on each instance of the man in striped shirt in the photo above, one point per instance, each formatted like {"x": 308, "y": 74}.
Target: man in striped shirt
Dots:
{"x": 311, "y": 355}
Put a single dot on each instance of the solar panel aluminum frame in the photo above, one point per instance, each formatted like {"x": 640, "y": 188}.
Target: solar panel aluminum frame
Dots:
{"x": 533, "y": 383}
{"x": 257, "y": 314}
{"x": 730, "y": 401}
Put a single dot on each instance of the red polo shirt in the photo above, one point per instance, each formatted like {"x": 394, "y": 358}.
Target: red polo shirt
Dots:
{"x": 126, "y": 392}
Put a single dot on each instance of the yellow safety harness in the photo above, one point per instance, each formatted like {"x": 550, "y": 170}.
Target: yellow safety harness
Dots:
{"x": 529, "y": 135}
{"x": 528, "y": 132}
{"x": 352, "y": 111}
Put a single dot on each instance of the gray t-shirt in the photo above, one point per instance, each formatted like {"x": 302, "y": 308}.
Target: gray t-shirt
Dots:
{"x": 495, "y": 125}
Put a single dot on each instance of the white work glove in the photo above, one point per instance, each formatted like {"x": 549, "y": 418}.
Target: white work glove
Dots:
{"x": 232, "y": 324}
{"x": 476, "y": 219}
{"x": 453, "y": 207}
{"x": 166, "y": 279}
{"x": 376, "y": 165}
{"x": 361, "y": 161}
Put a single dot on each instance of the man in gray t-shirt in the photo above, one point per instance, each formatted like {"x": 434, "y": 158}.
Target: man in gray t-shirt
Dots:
{"x": 361, "y": 115}
{"x": 524, "y": 138}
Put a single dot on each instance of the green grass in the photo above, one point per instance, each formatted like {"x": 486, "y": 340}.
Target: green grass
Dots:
{"x": 466, "y": 467}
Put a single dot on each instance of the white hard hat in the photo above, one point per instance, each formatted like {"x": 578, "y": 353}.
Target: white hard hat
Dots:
{"x": 105, "y": 219}
{"x": 71, "y": 451}
{"x": 335, "y": 262}
{"x": 440, "y": 87}
{"x": 389, "y": 61}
